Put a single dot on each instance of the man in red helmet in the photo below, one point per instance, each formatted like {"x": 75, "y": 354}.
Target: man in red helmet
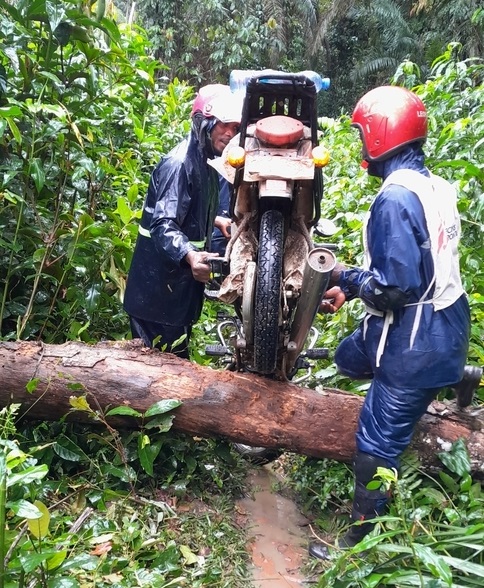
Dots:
{"x": 164, "y": 291}
{"x": 414, "y": 337}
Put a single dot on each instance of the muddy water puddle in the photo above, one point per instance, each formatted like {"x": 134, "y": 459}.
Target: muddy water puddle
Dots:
{"x": 278, "y": 533}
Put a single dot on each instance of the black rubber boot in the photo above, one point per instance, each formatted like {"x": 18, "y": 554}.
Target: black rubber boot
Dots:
{"x": 367, "y": 504}
{"x": 464, "y": 390}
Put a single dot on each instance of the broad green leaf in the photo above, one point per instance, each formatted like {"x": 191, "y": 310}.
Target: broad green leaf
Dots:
{"x": 372, "y": 581}
{"x": 125, "y": 474}
{"x": 124, "y": 210}
{"x": 32, "y": 560}
{"x": 15, "y": 130}
{"x": 434, "y": 563}
{"x": 82, "y": 561}
{"x": 144, "y": 75}
{"x": 35, "y": 7}
{"x": 457, "y": 459}
{"x": 28, "y": 475}
{"x": 37, "y": 172}
{"x": 224, "y": 451}
{"x": 449, "y": 482}
{"x": 32, "y": 385}
{"x": 124, "y": 410}
{"x": 53, "y": 78}
{"x": 466, "y": 483}
{"x": 6, "y": 111}
{"x": 15, "y": 457}
{"x": 67, "y": 449}
{"x": 111, "y": 29}
{"x": 161, "y": 407}
{"x": 465, "y": 566}
{"x": 25, "y": 509}
{"x": 148, "y": 455}
{"x": 55, "y": 13}
{"x": 59, "y": 111}
{"x": 163, "y": 423}
{"x": 132, "y": 195}
{"x": 77, "y": 133}
{"x": 58, "y": 582}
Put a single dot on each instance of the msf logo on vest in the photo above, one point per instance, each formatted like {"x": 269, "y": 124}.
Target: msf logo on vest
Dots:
{"x": 445, "y": 234}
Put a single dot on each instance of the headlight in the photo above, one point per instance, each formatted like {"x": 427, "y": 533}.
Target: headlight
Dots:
{"x": 236, "y": 156}
{"x": 320, "y": 156}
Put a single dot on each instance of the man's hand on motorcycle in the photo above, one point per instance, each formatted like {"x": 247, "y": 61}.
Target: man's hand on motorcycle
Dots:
{"x": 333, "y": 300}
{"x": 198, "y": 261}
{"x": 336, "y": 274}
{"x": 223, "y": 225}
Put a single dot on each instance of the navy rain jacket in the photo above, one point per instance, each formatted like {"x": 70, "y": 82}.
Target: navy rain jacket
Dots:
{"x": 178, "y": 211}
{"x": 397, "y": 237}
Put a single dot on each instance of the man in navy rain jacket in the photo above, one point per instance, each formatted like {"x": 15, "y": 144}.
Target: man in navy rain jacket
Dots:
{"x": 164, "y": 292}
{"x": 414, "y": 337}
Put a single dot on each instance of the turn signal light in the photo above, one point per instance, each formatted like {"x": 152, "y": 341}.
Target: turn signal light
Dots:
{"x": 320, "y": 156}
{"x": 236, "y": 156}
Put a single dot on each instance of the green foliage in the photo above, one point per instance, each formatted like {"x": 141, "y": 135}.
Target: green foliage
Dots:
{"x": 364, "y": 46}
{"x": 322, "y": 486}
{"x": 203, "y": 41}
{"x": 432, "y": 535}
{"x": 87, "y": 506}
{"x": 82, "y": 123}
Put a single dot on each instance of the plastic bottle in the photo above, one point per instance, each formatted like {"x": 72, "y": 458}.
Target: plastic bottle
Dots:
{"x": 319, "y": 82}
{"x": 239, "y": 78}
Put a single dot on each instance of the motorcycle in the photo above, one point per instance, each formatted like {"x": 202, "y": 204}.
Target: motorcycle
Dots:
{"x": 272, "y": 272}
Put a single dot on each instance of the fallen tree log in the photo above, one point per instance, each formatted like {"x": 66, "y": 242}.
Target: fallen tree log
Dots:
{"x": 239, "y": 407}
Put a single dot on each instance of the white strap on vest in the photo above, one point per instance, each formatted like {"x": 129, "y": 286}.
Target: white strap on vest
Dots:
{"x": 388, "y": 320}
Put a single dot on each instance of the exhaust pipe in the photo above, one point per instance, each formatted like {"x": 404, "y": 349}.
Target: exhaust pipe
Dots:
{"x": 317, "y": 272}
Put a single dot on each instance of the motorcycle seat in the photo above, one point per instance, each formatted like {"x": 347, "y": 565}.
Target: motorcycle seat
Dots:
{"x": 279, "y": 130}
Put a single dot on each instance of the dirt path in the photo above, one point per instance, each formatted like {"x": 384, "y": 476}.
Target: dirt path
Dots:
{"x": 279, "y": 534}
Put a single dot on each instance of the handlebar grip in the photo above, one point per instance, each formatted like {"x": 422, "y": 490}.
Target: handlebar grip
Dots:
{"x": 321, "y": 353}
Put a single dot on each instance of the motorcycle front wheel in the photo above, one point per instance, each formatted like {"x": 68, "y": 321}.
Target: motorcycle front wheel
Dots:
{"x": 268, "y": 292}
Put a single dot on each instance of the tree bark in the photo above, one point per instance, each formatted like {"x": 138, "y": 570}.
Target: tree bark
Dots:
{"x": 239, "y": 407}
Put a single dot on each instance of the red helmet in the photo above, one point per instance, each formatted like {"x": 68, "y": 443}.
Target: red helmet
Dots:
{"x": 388, "y": 118}
{"x": 218, "y": 101}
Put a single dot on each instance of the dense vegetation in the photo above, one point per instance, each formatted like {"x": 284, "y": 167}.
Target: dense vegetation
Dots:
{"x": 356, "y": 43}
{"x": 85, "y": 112}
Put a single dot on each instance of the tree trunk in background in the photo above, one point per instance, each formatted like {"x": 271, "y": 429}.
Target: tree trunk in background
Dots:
{"x": 239, "y": 407}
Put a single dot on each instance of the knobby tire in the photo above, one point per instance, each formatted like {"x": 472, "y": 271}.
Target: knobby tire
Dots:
{"x": 268, "y": 292}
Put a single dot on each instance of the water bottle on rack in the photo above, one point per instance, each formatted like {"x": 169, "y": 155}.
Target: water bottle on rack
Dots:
{"x": 319, "y": 82}
{"x": 239, "y": 78}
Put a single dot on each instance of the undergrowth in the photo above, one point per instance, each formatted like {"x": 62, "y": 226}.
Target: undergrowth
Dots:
{"x": 432, "y": 535}
{"x": 80, "y": 509}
